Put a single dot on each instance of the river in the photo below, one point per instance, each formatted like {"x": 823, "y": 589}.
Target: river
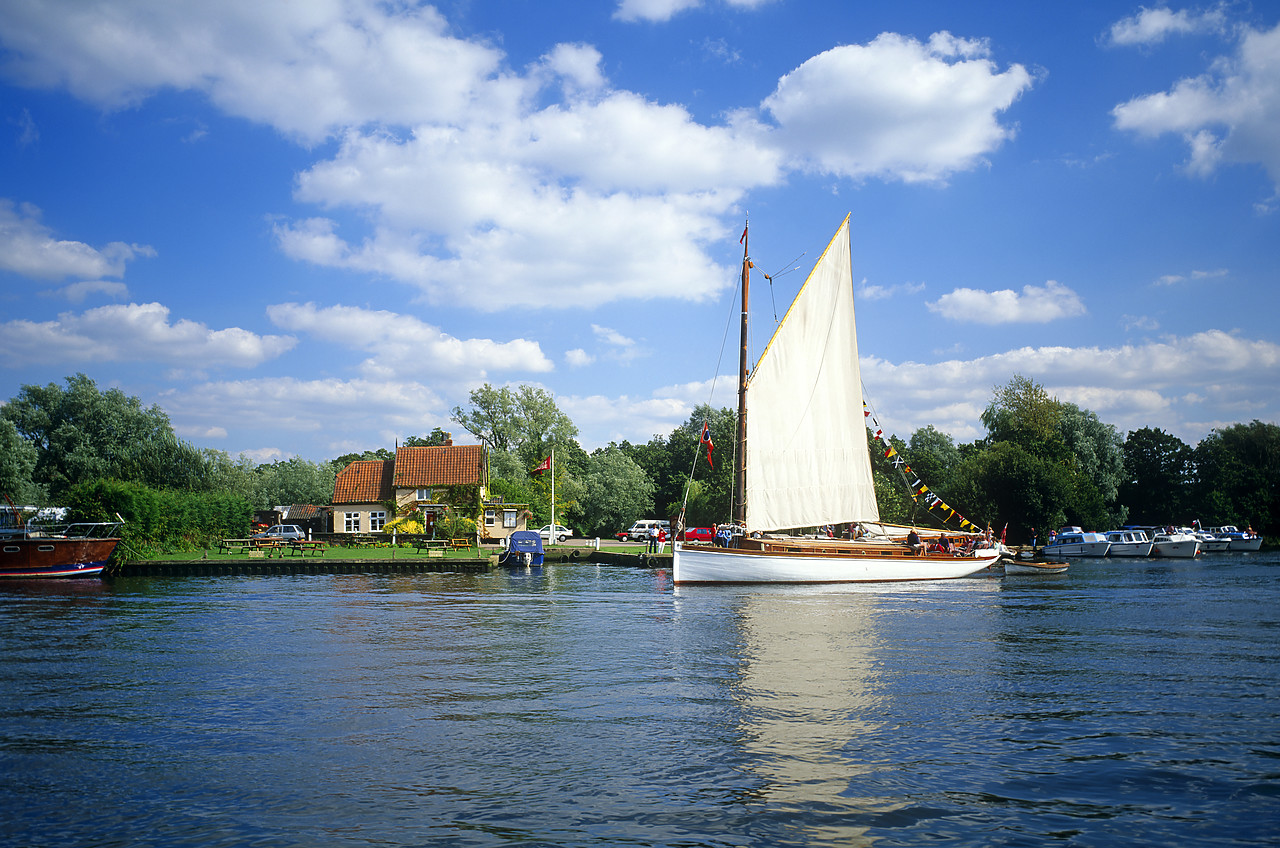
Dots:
{"x": 1124, "y": 703}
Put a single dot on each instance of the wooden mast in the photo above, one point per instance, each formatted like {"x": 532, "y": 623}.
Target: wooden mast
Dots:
{"x": 740, "y": 454}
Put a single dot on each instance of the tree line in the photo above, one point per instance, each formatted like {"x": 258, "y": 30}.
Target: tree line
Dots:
{"x": 1043, "y": 463}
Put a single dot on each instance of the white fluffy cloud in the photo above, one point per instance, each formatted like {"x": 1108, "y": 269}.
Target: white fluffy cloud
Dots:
{"x": 896, "y": 108}
{"x": 403, "y": 346}
{"x": 29, "y": 248}
{"x": 1152, "y": 26}
{"x": 1034, "y": 305}
{"x": 132, "y": 333}
{"x": 1191, "y": 384}
{"x": 1230, "y": 114}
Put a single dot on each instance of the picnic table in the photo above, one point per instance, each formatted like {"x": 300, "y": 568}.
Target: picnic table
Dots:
{"x": 226, "y": 546}
{"x": 429, "y": 545}
{"x": 304, "y": 548}
{"x": 461, "y": 543}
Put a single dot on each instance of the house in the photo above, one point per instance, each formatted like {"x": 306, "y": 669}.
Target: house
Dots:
{"x": 428, "y": 478}
{"x": 361, "y": 494}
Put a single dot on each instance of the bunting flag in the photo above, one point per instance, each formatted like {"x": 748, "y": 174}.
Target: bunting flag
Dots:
{"x": 545, "y": 466}
{"x": 920, "y": 493}
{"x": 706, "y": 440}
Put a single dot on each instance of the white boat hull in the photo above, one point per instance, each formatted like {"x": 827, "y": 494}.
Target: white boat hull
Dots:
{"x": 1254, "y": 544}
{"x": 728, "y": 565}
{"x": 1215, "y": 546}
{"x": 1078, "y": 549}
{"x": 1178, "y": 550}
{"x": 1130, "y": 549}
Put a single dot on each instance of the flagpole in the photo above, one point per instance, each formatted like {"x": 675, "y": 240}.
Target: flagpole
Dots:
{"x": 553, "y": 496}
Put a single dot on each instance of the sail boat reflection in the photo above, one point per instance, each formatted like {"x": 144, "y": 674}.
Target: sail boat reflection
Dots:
{"x": 808, "y": 691}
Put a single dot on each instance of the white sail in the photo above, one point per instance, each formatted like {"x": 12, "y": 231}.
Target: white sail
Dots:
{"x": 807, "y": 458}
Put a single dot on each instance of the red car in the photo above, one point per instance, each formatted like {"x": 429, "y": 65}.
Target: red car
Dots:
{"x": 698, "y": 534}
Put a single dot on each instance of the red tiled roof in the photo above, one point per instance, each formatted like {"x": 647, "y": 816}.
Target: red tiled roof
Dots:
{"x": 446, "y": 465}
{"x": 364, "y": 481}
{"x": 305, "y": 512}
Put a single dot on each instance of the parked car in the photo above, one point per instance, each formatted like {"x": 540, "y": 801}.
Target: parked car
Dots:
{"x": 698, "y": 534}
{"x": 639, "y": 532}
{"x": 562, "y": 533}
{"x": 284, "y": 532}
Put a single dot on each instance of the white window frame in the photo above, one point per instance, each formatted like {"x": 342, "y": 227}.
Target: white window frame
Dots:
{"x": 490, "y": 517}
{"x": 351, "y": 522}
{"x": 422, "y": 494}
{"x": 377, "y": 519}
{"x": 508, "y": 518}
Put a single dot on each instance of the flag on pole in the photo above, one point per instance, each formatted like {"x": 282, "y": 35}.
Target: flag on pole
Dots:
{"x": 545, "y": 466}
{"x": 1003, "y": 532}
{"x": 706, "y": 440}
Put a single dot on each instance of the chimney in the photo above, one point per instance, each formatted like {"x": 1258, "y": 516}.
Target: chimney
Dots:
{"x": 448, "y": 440}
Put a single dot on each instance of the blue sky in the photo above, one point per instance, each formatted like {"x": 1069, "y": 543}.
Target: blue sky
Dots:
{"x": 312, "y": 228}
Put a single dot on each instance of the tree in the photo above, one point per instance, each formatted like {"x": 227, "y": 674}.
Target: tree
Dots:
{"x": 437, "y": 438}
{"x": 1238, "y": 476}
{"x": 932, "y": 454}
{"x": 1022, "y": 412}
{"x": 80, "y": 434}
{"x": 616, "y": 492}
{"x": 1157, "y": 482}
{"x": 295, "y": 481}
{"x": 1007, "y": 483}
{"x": 1097, "y": 453}
{"x": 17, "y": 463}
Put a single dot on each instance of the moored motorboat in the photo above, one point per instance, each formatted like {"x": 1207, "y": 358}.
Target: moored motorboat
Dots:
{"x": 31, "y": 551}
{"x": 1171, "y": 543}
{"x": 801, "y": 457}
{"x": 1074, "y": 542}
{"x": 1129, "y": 543}
{"x": 1209, "y": 543}
{"x": 1238, "y": 540}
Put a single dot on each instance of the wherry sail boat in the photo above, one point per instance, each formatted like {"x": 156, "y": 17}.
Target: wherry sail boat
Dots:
{"x": 802, "y": 458}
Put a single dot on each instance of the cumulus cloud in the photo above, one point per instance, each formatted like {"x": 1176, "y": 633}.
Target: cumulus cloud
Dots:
{"x": 871, "y": 291}
{"x": 403, "y": 346}
{"x": 1034, "y": 305}
{"x": 896, "y": 108}
{"x": 1192, "y": 383}
{"x": 134, "y": 333}
{"x": 1228, "y": 115}
{"x": 1152, "y": 26}
{"x": 578, "y": 357}
{"x": 29, "y": 248}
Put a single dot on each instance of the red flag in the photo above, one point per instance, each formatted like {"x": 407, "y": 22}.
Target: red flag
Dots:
{"x": 545, "y": 466}
{"x": 1004, "y": 531}
{"x": 706, "y": 440}
{"x": 744, "y": 236}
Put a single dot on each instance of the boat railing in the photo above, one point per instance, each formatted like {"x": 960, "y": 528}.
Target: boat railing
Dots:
{"x": 75, "y": 530}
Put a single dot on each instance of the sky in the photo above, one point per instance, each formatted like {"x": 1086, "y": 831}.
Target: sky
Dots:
{"x": 308, "y": 229}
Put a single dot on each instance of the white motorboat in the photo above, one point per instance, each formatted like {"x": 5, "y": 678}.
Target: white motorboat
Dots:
{"x": 1170, "y": 543}
{"x": 1129, "y": 543}
{"x": 1240, "y": 540}
{"x": 1074, "y": 542}
{"x": 1209, "y": 542}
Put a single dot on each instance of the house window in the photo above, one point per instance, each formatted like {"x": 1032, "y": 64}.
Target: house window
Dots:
{"x": 423, "y": 495}
{"x": 351, "y": 522}
{"x": 508, "y": 518}
{"x": 490, "y": 517}
{"x": 377, "y": 520}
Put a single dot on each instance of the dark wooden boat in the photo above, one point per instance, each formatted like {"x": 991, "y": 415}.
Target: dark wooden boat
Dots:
{"x": 69, "y": 550}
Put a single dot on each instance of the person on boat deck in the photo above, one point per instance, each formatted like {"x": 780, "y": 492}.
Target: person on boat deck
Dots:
{"x": 914, "y": 543}
{"x": 944, "y": 544}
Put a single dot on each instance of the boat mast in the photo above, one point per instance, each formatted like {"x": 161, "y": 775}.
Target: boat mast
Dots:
{"x": 740, "y": 455}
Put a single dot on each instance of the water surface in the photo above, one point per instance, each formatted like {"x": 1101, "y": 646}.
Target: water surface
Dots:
{"x": 1123, "y": 703}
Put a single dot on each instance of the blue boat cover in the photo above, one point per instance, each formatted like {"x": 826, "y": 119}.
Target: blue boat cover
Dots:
{"x": 522, "y": 542}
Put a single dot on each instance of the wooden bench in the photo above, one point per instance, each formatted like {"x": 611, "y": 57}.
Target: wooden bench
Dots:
{"x": 302, "y": 548}
{"x": 460, "y": 544}
{"x": 226, "y": 546}
{"x": 429, "y": 545}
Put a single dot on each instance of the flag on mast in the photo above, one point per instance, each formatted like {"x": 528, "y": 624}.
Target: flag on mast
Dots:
{"x": 706, "y": 440}
{"x": 545, "y": 466}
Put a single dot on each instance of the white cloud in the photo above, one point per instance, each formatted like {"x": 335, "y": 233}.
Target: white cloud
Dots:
{"x": 134, "y": 333}
{"x": 29, "y": 248}
{"x": 896, "y": 108}
{"x": 1152, "y": 26}
{"x": 77, "y": 292}
{"x": 404, "y": 347}
{"x": 577, "y": 358}
{"x": 652, "y": 10}
{"x": 1231, "y": 114}
{"x": 871, "y": 291}
{"x": 1035, "y": 305}
{"x": 1189, "y": 384}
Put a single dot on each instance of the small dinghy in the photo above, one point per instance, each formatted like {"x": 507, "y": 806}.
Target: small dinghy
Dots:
{"x": 1028, "y": 567}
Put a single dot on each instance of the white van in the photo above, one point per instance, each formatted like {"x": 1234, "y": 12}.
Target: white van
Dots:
{"x": 639, "y": 532}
